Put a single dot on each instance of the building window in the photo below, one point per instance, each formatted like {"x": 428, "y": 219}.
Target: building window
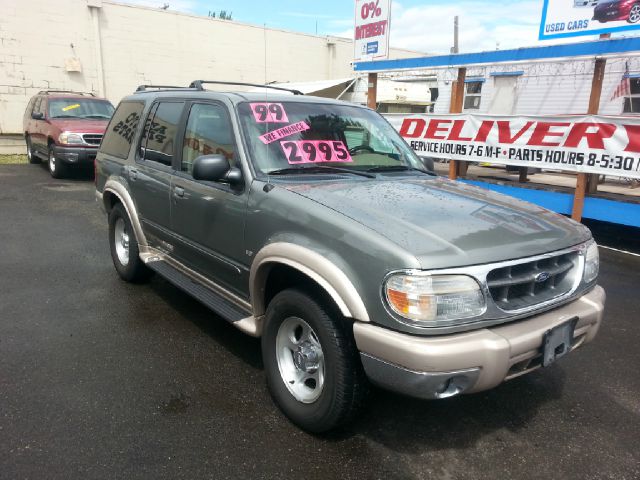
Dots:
{"x": 632, "y": 101}
{"x": 473, "y": 92}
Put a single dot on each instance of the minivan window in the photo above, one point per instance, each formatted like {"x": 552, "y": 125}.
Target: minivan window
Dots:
{"x": 121, "y": 130}
{"x": 80, "y": 108}
{"x": 160, "y": 133}
{"x": 208, "y": 132}
{"x": 37, "y": 105}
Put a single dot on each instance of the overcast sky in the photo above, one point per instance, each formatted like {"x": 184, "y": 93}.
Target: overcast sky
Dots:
{"x": 422, "y": 25}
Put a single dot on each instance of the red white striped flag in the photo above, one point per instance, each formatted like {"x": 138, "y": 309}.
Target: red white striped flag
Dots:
{"x": 624, "y": 88}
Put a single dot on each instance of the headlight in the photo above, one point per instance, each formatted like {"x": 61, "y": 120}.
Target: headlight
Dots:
{"x": 434, "y": 300}
{"x": 70, "y": 138}
{"x": 591, "y": 263}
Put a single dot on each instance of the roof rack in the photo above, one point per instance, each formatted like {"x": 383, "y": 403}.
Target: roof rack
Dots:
{"x": 144, "y": 88}
{"x": 48, "y": 92}
{"x": 197, "y": 84}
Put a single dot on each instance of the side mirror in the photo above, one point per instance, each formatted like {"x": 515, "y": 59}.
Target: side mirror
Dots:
{"x": 216, "y": 168}
{"x": 37, "y": 116}
{"x": 428, "y": 164}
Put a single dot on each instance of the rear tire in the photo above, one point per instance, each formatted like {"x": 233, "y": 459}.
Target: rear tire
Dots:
{"x": 311, "y": 362}
{"x": 30, "y": 156}
{"x": 57, "y": 169}
{"x": 124, "y": 247}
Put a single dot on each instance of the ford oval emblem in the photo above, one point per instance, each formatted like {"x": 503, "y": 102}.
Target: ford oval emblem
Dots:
{"x": 542, "y": 277}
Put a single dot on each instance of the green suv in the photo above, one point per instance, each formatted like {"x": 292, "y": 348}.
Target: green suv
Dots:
{"x": 310, "y": 223}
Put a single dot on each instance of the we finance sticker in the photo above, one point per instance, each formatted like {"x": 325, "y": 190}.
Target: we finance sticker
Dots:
{"x": 269, "y": 113}
{"x": 315, "y": 151}
{"x": 283, "y": 132}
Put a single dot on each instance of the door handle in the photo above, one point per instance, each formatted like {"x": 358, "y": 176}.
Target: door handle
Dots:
{"x": 178, "y": 192}
{"x": 133, "y": 174}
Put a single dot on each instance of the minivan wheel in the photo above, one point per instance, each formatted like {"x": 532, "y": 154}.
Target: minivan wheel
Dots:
{"x": 30, "y": 156}
{"x": 124, "y": 247}
{"x": 57, "y": 169}
{"x": 634, "y": 14}
{"x": 311, "y": 362}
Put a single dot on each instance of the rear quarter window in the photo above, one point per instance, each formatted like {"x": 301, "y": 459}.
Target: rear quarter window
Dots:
{"x": 118, "y": 138}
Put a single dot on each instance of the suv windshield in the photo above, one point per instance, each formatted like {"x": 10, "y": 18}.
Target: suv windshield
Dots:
{"x": 80, "y": 108}
{"x": 289, "y": 136}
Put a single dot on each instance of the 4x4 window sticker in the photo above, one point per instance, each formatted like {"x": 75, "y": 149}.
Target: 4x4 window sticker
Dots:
{"x": 154, "y": 130}
{"x": 116, "y": 124}
{"x": 143, "y": 138}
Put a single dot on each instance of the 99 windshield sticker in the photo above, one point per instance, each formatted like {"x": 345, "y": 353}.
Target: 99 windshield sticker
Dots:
{"x": 315, "y": 151}
{"x": 269, "y": 113}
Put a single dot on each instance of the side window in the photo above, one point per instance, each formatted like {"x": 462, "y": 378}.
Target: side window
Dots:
{"x": 121, "y": 130}
{"x": 160, "y": 133}
{"x": 632, "y": 96}
{"x": 209, "y": 131}
{"x": 36, "y": 105}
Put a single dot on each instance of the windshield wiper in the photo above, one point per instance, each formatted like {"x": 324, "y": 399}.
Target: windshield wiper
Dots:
{"x": 319, "y": 169}
{"x": 97, "y": 115}
{"x": 398, "y": 168}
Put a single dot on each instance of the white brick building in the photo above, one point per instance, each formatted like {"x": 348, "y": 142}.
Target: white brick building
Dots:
{"x": 117, "y": 47}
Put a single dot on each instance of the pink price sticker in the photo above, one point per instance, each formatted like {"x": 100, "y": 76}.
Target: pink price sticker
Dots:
{"x": 283, "y": 132}
{"x": 315, "y": 151}
{"x": 269, "y": 113}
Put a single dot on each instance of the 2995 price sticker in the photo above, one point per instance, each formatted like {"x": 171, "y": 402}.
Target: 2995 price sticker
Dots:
{"x": 315, "y": 151}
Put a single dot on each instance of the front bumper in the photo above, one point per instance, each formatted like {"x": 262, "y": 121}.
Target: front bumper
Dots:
{"x": 75, "y": 155}
{"x": 438, "y": 367}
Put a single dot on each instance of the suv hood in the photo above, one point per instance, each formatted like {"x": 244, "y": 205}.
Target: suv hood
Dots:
{"x": 80, "y": 125}
{"x": 446, "y": 223}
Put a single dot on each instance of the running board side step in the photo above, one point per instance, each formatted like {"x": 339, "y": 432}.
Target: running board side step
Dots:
{"x": 214, "y": 301}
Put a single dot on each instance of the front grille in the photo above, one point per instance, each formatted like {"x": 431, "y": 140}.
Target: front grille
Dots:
{"x": 527, "y": 284}
{"x": 92, "y": 138}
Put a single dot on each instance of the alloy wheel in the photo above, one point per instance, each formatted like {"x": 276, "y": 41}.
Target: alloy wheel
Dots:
{"x": 300, "y": 359}
{"x": 121, "y": 241}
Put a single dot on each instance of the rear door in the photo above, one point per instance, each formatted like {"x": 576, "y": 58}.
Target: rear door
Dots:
{"x": 208, "y": 217}
{"x": 150, "y": 176}
{"x": 38, "y": 127}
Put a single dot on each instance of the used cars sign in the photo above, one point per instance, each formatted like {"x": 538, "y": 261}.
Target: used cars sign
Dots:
{"x": 571, "y": 18}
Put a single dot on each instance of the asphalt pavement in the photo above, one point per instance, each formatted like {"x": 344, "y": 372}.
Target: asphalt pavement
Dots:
{"x": 100, "y": 379}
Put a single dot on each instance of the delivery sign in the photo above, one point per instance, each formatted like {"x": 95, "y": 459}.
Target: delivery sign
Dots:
{"x": 572, "y": 18}
{"x": 588, "y": 144}
{"x": 371, "y": 33}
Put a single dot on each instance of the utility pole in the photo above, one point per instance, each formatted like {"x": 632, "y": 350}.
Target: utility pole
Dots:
{"x": 455, "y": 48}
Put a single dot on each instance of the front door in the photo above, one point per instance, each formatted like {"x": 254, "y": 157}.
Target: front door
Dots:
{"x": 150, "y": 177}
{"x": 208, "y": 217}
{"x": 504, "y": 95}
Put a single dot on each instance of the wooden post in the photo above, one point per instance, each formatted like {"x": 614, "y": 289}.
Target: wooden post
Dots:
{"x": 582, "y": 183}
{"x": 457, "y": 102}
{"x": 372, "y": 91}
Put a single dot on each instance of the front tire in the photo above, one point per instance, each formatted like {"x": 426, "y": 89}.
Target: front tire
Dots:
{"x": 57, "y": 169}
{"x": 124, "y": 247}
{"x": 634, "y": 14}
{"x": 311, "y": 362}
{"x": 30, "y": 156}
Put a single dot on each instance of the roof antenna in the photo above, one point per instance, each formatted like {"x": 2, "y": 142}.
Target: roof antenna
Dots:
{"x": 268, "y": 187}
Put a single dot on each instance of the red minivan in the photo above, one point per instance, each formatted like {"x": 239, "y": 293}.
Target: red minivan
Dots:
{"x": 65, "y": 128}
